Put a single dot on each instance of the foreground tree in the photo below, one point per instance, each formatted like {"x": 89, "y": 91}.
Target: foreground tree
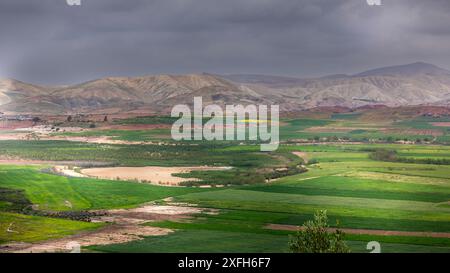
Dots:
{"x": 315, "y": 237}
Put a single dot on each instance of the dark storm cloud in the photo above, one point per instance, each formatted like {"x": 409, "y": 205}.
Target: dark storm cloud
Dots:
{"x": 48, "y": 41}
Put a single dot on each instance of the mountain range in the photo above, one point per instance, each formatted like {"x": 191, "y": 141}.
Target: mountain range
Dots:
{"x": 412, "y": 84}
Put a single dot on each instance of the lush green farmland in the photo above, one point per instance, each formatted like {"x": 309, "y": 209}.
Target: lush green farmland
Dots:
{"x": 138, "y": 155}
{"x": 24, "y": 228}
{"x": 57, "y": 193}
{"x": 357, "y": 191}
{"x": 51, "y": 192}
{"x": 243, "y": 231}
{"x": 344, "y": 126}
{"x": 127, "y": 135}
{"x": 203, "y": 241}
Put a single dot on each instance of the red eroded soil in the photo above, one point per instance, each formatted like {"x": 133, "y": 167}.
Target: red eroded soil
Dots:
{"x": 12, "y": 124}
{"x": 441, "y": 124}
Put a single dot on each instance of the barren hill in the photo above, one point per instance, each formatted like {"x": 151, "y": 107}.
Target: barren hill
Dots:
{"x": 11, "y": 90}
{"x": 413, "y": 84}
{"x": 419, "y": 68}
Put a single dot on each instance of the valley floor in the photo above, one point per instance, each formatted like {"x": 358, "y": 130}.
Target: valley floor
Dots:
{"x": 401, "y": 201}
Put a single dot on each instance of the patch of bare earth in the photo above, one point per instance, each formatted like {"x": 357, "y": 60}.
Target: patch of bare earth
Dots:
{"x": 18, "y": 136}
{"x": 368, "y": 231}
{"x": 66, "y": 171}
{"x": 123, "y": 225}
{"x": 21, "y": 162}
{"x": 46, "y": 132}
{"x": 154, "y": 175}
{"x": 13, "y": 124}
{"x": 441, "y": 124}
{"x": 96, "y": 140}
{"x": 103, "y": 140}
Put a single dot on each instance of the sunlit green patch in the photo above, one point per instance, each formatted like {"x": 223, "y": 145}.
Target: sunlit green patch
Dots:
{"x": 23, "y": 228}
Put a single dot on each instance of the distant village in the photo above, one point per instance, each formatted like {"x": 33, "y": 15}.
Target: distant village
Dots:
{"x": 70, "y": 118}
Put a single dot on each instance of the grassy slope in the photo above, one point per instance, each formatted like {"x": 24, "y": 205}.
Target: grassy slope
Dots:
{"x": 33, "y": 228}
{"x": 51, "y": 191}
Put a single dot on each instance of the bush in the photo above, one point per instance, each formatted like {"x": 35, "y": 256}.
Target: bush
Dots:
{"x": 314, "y": 237}
{"x": 383, "y": 155}
{"x": 313, "y": 161}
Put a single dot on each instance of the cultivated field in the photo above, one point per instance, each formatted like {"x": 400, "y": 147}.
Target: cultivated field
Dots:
{"x": 385, "y": 181}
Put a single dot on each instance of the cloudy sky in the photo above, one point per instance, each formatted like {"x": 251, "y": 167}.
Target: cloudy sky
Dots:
{"x": 49, "y": 42}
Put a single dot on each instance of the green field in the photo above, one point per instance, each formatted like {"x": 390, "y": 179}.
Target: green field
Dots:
{"x": 33, "y": 228}
{"x": 51, "y": 192}
{"x": 356, "y": 191}
{"x": 411, "y": 194}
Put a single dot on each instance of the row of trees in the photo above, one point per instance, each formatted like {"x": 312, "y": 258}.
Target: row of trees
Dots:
{"x": 70, "y": 118}
{"x": 392, "y": 156}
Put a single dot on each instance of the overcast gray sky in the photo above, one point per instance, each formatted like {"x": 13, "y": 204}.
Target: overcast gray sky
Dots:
{"x": 49, "y": 42}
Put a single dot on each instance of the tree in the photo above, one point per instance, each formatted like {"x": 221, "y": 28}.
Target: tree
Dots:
{"x": 315, "y": 237}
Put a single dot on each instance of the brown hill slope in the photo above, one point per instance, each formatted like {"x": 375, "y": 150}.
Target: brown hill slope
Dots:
{"x": 11, "y": 90}
{"x": 414, "y": 84}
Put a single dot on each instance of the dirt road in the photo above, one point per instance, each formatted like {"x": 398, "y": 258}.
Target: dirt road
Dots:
{"x": 369, "y": 231}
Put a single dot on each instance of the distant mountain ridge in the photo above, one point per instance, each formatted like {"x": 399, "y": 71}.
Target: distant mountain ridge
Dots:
{"x": 263, "y": 79}
{"x": 413, "y": 84}
{"x": 418, "y": 68}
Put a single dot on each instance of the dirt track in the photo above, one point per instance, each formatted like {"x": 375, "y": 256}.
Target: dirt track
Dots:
{"x": 368, "y": 231}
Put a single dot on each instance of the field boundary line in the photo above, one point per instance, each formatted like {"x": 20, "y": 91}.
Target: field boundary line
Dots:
{"x": 367, "y": 231}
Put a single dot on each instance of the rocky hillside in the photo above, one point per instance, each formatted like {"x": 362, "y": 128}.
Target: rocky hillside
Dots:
{"x": 413, "y": 84}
